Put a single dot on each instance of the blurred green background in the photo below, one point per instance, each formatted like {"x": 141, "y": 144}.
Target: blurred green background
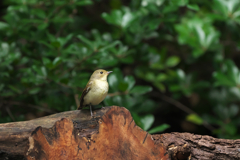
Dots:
{"x": 175, "y": 62}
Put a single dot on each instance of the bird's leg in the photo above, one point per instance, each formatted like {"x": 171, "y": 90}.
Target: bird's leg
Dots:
{"x": 91, "y": 109}
{"x": 102, "y": 105}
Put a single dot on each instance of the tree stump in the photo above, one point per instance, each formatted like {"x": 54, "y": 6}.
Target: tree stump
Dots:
{"x": 110, "y": 134}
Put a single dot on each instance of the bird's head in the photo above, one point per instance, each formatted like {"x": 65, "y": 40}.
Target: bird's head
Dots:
{"x": 100, "y": 74}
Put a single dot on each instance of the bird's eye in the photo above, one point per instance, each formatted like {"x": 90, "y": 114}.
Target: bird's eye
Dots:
{"x": 101, "y": 72}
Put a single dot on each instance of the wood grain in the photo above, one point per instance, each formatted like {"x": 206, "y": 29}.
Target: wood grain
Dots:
{"x": 110, "y": 134}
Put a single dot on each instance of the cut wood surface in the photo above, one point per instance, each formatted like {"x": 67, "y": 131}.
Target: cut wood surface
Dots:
{"x": 110, "y": 134}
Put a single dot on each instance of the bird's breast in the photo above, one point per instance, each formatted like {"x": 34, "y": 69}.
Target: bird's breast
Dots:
{"x": 100, "y": 86}
{"x": 97, "y": 93}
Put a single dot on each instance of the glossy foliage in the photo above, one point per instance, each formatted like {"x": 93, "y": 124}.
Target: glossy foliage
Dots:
{"x": 174, "y": 62}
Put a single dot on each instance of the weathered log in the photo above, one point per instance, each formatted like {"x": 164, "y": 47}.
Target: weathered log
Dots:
{"x": 110, "y": 134}
{"x": 195, "y": 147}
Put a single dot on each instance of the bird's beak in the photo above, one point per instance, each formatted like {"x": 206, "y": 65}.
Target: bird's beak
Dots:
{"x": 109, "y": 72}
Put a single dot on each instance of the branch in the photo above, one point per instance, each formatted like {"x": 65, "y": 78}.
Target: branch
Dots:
{"x": 29, "y": 105}
{"x": 117, "y": 93}
{"x": 10, "y": 114}
{"x": 185, "y": 109}
{"x": 76, "y": 99}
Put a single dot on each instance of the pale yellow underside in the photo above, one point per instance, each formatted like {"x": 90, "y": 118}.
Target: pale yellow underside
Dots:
{"x": 97, "y": 93}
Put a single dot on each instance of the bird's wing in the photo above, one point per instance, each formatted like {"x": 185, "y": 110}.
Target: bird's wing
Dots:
{"x": 84, "y": 93}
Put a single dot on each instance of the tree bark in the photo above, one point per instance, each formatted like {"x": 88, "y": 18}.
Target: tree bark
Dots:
{"x": 110, "y": 134}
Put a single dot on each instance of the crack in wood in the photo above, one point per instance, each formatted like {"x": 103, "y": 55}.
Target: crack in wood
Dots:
{"x": 145, "y": 138}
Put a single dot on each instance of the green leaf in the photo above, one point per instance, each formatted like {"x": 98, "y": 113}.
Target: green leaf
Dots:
{"x": 42, "y": 26}
{"x": 223, "y": 79}
{"x": 127, "y": 60}
{"x": 57, "y": 61}
{"x": 129, "y": 101}
{"x": 130, "y": 81}
{"x": 138, "y": 90}
{"x": 4, "y": 74}
{"x": 4, "y": 48}
{"x": 193, "y": 7}
{"x": 34, "y": 90}
{"x": 122, "y": 86}
{"x": 228, "y": 9}
{"x": 85, "y": 40}
{"x": 230, "y": 128}
{"x": 109, "y": 46}
{"x": 199, "y": 34}
{"x": 233, "y": 110}
{"x": 15, "y": 89}
{"x": 170, "y": 8}
{"x": 118, "y": 100}
{"x": 161, "y": 77}
{"x": 1, "y": 86}
{"x": 115, "y": 17}
{"x": 141, "y": 103}
{"x": 179, "y": 2}
{"x": 46, "y": 61}
{"x": 147, "y": 121}
{"x": 115, "y": 78}
{"x": 39, "y": 13}
{"x": 150, "y": 76}
{"x": 3, "y": 25}
{"x": 127, "y": 18}
{"x": 56, "y": 44}
{"x": 83, "y": 2}
{"x": 172, "y": 61}
{"x": 7, "y": 94}
{"x": 149, "y": 2}
{"x": 160, "y": 128}
{"x": 108, "y": 101}
{"x": 194, "y": 119}
{"x": 44, "y": 71}
{"x": 181, "y": 74}
{"x": 160, "y": 86}
{"x": 46, "y": 44}
{"x": 108, "y": 62}
{"x": 137, "y": 119}
{"x": 120, "y": 18}
{"x": 64, "y": 40}
{"x": 113, "y": 81}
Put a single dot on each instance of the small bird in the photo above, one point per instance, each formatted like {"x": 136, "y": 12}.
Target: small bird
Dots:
{"x": 96, "y": 89}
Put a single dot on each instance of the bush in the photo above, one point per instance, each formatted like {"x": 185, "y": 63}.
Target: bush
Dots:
{"x": 174, "y": 62}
